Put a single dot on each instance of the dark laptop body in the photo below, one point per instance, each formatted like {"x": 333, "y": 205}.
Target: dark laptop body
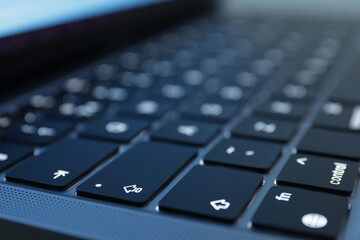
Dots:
{"x": 41, "y": 60}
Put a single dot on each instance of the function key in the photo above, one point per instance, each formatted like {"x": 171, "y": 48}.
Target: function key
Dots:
{"x": 210, "y": 192}
{"x": 244, "y": 153}
{"x": 114, "y": 128}
{"x": 110, "y": 93}
{"x": 188, "y": 132}
{"x": 294, "y": 93}
{"x": 211, "y": 111}
{"x": 336, "y": 175}
{"x": 11, "y": 154}
{"x": 331, "y": 143}
{"x": 39, "y": 133}
{"x": 41, "y": 101}
{"x": 281, "y": 109}
{"x": 151, "y": 108}
{"x": 318, "y": 215}
{"x": 55, "y": 167}
{"x": 138, "y": 174}
{"x": 77, "y": 111}
{"x": 265, "y": 129}
{"x": 336, "y": 115}
{"x": 229, "y": 94}
{"x": 77, "y": 85}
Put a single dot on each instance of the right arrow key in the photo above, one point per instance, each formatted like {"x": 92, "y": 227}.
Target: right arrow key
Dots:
{"x": 329, "y": 174}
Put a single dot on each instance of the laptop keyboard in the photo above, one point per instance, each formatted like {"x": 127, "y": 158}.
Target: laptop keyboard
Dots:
{"x": 201, "y": 114}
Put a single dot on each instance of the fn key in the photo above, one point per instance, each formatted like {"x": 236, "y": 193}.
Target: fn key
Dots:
{"x": 310, "y": 213}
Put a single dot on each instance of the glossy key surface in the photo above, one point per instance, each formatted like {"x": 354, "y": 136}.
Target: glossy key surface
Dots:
{"x": 138, "y": 174}
{"x": 242, "y": 152}
{"x": 318, "y": 215}
{"x": 213, "y": 192}
{"x": 62, "y": 164}
{"x": 329, "y": 174}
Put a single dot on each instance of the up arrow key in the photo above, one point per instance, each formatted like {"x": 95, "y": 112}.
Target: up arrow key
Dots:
{"x": 220, "y": 204}
{"x": 301, "y": 161}
{"x": 60, "y": 173}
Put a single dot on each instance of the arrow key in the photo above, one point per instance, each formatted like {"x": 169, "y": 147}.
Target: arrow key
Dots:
{"x": 202, "y": 194}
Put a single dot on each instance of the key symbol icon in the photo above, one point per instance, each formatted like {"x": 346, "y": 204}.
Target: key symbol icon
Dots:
{"x": 264, "y": 127}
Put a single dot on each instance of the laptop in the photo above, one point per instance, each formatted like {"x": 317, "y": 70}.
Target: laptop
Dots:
{"x": 179, "y": 119}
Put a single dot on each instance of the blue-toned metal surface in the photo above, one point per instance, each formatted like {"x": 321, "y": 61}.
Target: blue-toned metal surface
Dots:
{"x": 94, "y": 219}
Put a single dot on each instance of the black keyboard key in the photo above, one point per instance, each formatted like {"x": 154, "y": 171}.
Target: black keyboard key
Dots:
{"x": 244, "y": 153}
{"x": 329, "y": 174}
{"x": 282, "y": 110}
{"x": 77, "y": 111}
{"x": 188, "y": 132}
{"x": 119, "y": 129}
{"x": 294, "y": 93}
{"x": 11, "y": 154}
{"x": 62, "y": 163}
{"x": 110, "y": 93}
{"x": 347, "y": 90}
{"x": 38, "y": 133}
{"x": 137, "y": 175}
{"x": 151, "y": 108}
{"x": 331, "y": 143}
{"x": 337, "y": 116}
{"x": 213, "y": 192}
{"x": 231, "y": 94}
{"x": 211, "y": 111}
{"x": 310, "y": 213}
{"x": 265, "y": 129}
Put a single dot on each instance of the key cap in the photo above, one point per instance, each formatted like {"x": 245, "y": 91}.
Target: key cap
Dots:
{"x": 38, "y": 133}
{"x": 211, "y": 111}
{"x": 264, "y": 128}
{"x": 318, "y": 215}
{"x": 230, "y": 94}
{"x": 324, "y": 173}
{"x": 77, "y": 111}
{"x": 347, "y": 89}
{"x": 151, "y": 108}
{"x": 336, "y": 115}
{"x": 188, "y": 132}
{"x": 331, "y": 143}
{"x": 244, "y": 153}
{"x": 282, "y": 110}
{"x": 294, "y": 93}
{"x": 138, "y": 174}
{"x": 12, "y": 153}
{"x": 62, "y": 163}
{"x": 110, "y": 93}
{"x": 213, "y": 192}
{"x": 119, "y": 129}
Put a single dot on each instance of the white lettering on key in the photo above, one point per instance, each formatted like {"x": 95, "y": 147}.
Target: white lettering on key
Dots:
{"x": 338, "y": 173}
{"x": 314, "y": 220}
{"x": 230, "y": 150}
{"x": 3, "y": 157}
{"x": 220, "y": 204}
{"x": 187, "y": 130}
{"x": 355, "y": 119}
{"x": 263, "y": 127}
{"x": 284, "y": 197}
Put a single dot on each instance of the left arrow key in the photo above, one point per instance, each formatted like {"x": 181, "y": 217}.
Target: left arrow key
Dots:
{"x": 55, "y": 167}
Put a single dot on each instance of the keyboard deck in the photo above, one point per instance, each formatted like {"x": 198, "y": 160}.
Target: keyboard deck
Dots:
{"x": 244, "y": 122}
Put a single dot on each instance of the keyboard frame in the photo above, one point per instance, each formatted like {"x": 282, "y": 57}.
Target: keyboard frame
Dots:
{"x": 88, "y": 218}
